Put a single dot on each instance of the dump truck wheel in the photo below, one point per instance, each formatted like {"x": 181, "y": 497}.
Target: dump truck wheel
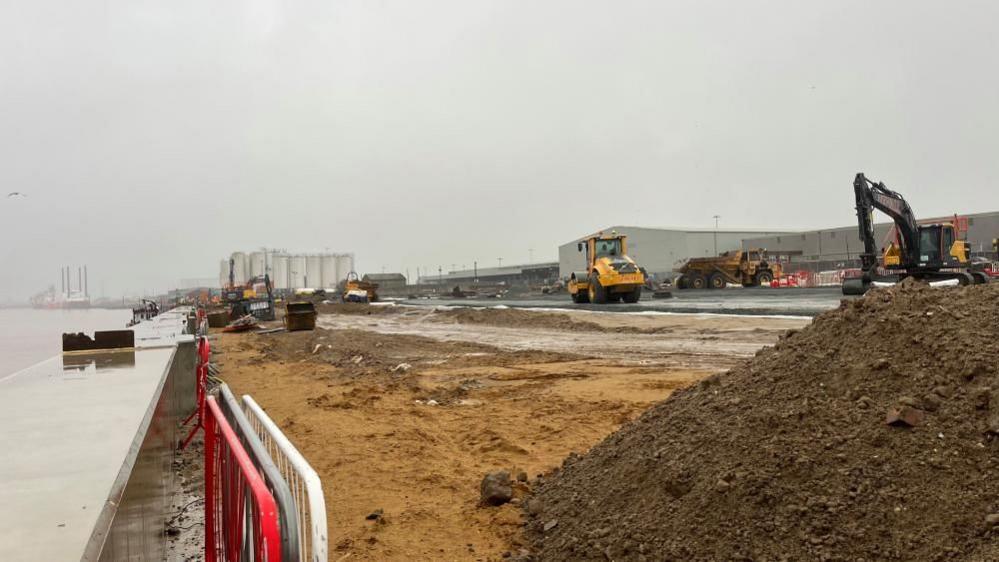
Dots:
{"x": 764, "y": 278}
{"x": 632, "y": 297}
{"x": 598, "y": 294}
{"x": 681, "y": 282}
{"x": 696, "y": 282}
{"x": 716, "y": 281}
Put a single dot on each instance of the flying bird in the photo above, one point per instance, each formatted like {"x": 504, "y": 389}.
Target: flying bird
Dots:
{"x": 15, "y": 194}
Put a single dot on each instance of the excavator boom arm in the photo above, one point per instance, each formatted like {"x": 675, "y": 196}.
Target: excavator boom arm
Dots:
{"x": 872, "y": 196}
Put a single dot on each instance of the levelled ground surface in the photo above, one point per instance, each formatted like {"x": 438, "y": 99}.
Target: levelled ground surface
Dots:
{"x": 405, "y": 410}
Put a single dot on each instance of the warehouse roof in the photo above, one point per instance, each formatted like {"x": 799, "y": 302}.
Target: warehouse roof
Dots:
{"x": 384, "y": 277}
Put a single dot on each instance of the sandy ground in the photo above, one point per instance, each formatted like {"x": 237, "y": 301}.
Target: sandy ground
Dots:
{"x": 405, "y": 410}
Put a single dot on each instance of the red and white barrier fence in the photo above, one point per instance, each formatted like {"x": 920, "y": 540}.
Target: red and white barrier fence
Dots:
{"x": 241, "y": 516}
{"x": 301, "y": 478}
{"x": 831, "y": 278}
{"x": 263, "y": 502}
{"x": 201, "y": 385}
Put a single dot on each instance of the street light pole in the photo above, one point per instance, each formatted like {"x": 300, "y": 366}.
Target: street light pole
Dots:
{"x": 716, "y": 217}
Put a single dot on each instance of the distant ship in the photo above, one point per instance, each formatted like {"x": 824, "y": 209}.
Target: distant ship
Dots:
{"x": 50, "y": 299}
{"x": 76, "y": 300}
{"x": 67, "y": 297}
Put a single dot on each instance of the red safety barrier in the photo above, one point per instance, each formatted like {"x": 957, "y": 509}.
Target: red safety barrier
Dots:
{"x": 241, "y": 517}
{"x": 784, "y": 281}
{"x": 201, "y": 373}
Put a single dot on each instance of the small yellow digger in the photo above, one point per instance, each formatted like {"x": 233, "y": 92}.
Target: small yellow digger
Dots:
{"x": 610, "y": 275}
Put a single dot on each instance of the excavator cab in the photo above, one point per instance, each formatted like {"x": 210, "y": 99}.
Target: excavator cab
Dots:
{"x": 939, "y": 247}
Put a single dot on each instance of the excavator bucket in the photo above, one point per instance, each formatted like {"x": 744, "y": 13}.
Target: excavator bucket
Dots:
{"x": 855, "y": 286}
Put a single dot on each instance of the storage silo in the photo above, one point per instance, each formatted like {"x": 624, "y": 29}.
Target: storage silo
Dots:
{"x": 258, "y": 264}
{"x": 279, "y": 271}
{"x": 344, "y": 265}
{"x": 314, "y": 271}
{"x": 330, "y": 277}
{"x": 239, "y": 268}
{"x": 296, "y": 272}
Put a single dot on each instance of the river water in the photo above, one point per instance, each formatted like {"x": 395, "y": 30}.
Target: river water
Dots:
{"x": 28, "y": 335}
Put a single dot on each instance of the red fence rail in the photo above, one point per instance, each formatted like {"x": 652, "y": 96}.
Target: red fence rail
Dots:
{"x": 241, "y": 517}
{"x": 201, "y": 373}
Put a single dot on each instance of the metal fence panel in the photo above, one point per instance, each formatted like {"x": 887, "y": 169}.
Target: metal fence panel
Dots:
{"x": 305, "y": 484}
{"x": 287, "y": 510}
{"x": 241, "y": 516}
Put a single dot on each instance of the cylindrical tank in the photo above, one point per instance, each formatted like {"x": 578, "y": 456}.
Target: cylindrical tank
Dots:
{"x": 279, "y": 271}
{"x": 223, "y": 273}
{"x": 239, "y": 267}
{"x": 314, "y": 271}
{"x": 257, "y": 264}
{"x": 344, "y": 265}
{"x": 330, "y": 276}
{"x": 296, "y": 272}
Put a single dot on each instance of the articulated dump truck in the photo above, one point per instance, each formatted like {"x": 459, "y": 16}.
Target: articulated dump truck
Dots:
{"x": 749, "y": 269}
{"x": 610, "y": 276}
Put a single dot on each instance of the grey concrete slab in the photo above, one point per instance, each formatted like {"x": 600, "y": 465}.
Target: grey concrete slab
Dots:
{"x": 70, "y": 430}
{"x": 67, "y": 429}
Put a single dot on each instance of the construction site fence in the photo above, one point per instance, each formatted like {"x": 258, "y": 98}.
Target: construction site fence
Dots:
{"x": 305, "y": 484}
{"x": 241, "y": 516}
{"x": 287, "y": 509}
{"x": 201, "y": 389}
{"x": 805, "y": 278}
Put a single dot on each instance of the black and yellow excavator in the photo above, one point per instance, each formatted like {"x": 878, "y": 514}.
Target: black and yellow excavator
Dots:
{"x": 930, "y": 252}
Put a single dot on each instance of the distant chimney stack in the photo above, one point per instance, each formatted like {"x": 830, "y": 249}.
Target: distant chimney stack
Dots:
{"x": 86, "y": 282}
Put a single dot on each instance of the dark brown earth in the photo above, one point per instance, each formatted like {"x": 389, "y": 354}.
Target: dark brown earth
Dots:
{"x": 516, "y": 317}
{"x": 535, "y": 319}
{"x": 789, "y": 457}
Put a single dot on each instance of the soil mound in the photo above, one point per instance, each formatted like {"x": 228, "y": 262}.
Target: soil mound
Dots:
{"x": 789, "y": 456}
{"x": 518, "y": 318}
{"x": 356, "y": 308}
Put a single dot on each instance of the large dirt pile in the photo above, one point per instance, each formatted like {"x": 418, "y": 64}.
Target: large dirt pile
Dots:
{"x": 789, "y": 457}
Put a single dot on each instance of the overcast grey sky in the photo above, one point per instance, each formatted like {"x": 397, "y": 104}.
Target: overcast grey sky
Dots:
{"x": 152, "y": 138}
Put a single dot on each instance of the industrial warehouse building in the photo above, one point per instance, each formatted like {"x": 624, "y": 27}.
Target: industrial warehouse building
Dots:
{"x": 525, "y": 274}
{"x": 660, "y": 250}
{"x": 387, "y": 282}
